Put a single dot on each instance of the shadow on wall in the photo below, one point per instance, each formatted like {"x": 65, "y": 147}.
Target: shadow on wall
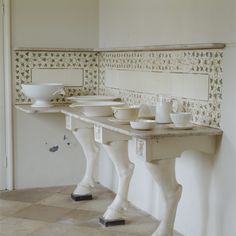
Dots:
{"x": 224, "y": 189}
{"x": 194, "y": 172}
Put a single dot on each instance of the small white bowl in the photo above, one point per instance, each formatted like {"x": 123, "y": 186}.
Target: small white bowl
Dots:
{"x": 181, "y": 119}
{"x": 126, "y": 112}
{"x": 41, "y": 94}
{"x": 143, "y": 124}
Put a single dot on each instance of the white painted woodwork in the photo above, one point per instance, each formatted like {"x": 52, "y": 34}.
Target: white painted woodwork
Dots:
{"x": 2, "y": 111}
{"x": 163, "y": 172}
{"x": 8, "y": 94}
{"x": 182, "y": 85}
{"x": 118, "y": 153}
{"x": 84, "y": 133}
{"x": 74, "y": 124}
{"x": 169, "y": 147}
{"x": 105, "y": 136}
{"x": 85, "y": 136}
{"x": 67, "y": 77}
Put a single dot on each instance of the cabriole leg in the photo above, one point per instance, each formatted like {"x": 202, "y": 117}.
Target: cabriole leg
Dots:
{"x": 85, "y": 137}
{"x": 163, "y": 172}
{"x": 118, "y": 153}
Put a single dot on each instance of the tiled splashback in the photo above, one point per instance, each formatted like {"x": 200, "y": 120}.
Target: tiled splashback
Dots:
{"x": 95, "y": 64}
{"x": 27, "y": 61}
{"x": 205, "y": 62}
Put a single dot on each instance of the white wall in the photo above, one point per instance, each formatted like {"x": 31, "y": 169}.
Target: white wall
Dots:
{"x": 35, "y": 165}
{"x": 223, "y": 197}
{"x": 208, "y": 205}
{"x": 153, "y": 22}
{"x": 55, "y": 23}
{"x": 49, "y": 23}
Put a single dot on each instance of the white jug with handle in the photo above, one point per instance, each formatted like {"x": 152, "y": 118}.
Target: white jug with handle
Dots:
{"x": 163, "y": 110}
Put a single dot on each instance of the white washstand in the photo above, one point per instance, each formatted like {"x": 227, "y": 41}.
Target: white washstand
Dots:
{"x": 153, "y": 147}
{"x": 84, "y": 133}
{"x": 116, "y": 145}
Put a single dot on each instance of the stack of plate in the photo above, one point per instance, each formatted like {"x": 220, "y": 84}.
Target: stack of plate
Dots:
{"x": 94, "y": 106}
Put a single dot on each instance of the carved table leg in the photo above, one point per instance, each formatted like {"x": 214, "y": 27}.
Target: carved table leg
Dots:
{"x": 118, "y": 153}
{"x": 163, "y": 172}
{"x": 85, "y": 137}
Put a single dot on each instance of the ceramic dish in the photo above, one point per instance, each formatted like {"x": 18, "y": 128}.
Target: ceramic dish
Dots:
{"x": 41, "y": 94}
{"x": 126, "y": 112}
{"x": 96, "y": 109}
{"x": 119, "y": 122}
{"x": 188, "y": 126}
{"x": 181, "y": 119}
{"x": 143, "y": 124}
{"x": 92, "y": 98}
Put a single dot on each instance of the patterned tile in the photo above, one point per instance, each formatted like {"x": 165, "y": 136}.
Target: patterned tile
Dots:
{"x": 25, "y": 61}
{"x": 207, "y": 61}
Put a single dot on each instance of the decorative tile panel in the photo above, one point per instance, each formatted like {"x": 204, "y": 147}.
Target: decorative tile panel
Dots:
{"x": 27, "y": 60}
{"x": 94, "y": 65}
{"x": 207, "y": 62}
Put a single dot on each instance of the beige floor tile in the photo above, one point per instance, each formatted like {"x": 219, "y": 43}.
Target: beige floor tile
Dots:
{"x": 42, "y": 213}
{"x": 60, "y": 200}
{"x": 28, "y": 195}
{"x": 95, "y": 190}
{"x": 56, "y": 189}
{"x": 139, "y": 225}
{"x": 68, "y": 189}
{"x": 70, "y": 230}
{"x": 99, "y": 205}
{"x": 100, "y": 189}
{"x": 8, "y": 208}
{"x": 78, "y": 217}
{"x": 2, "y": 217}
{"x": 104, "y": 195}
{"x": 19, "y": 227}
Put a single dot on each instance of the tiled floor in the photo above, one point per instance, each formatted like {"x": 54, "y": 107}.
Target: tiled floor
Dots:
{"x": 50, "y": 211}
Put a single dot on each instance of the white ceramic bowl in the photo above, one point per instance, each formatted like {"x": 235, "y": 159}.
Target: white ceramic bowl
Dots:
{"x": 181, "y": 119}
{"x": 96, "y": 109}
{"x": 143, "y": 124}
{"x": 126, "y": 112}
{"x": 41, "y": 94}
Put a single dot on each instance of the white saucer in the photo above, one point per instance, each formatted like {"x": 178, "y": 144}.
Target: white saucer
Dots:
{"x": 119, "y": 122}
{"x": 189, "y": 126}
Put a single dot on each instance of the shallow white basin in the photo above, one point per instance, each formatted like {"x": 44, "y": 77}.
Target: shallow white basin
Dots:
{"x": 79, "y": 99}
{"x": 95, "y": 109}
{"x": 41, "y": 94}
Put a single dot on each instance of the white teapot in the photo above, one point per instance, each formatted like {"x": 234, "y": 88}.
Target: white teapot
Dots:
{"x": 163, "y": 110}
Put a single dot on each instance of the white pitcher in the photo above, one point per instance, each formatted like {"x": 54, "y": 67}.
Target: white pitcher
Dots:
{"x": 163, "y": 110}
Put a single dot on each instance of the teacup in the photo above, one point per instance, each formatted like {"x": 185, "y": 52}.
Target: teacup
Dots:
{"x": 181, "y": 119}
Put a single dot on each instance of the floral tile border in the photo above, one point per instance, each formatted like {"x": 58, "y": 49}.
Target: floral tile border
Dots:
{"x": 94, "y": 65}
{"x": 186, "y": 61}
{"x": 26, "y": 60}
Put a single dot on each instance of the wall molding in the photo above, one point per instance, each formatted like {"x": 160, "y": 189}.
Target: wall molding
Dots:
{"x": 200, "y": 46}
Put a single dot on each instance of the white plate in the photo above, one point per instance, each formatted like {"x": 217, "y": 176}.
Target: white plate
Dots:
{"x": 190, "y": 126}
{"x": 92, "y": 98}
{"x": 97, "y": 104}
{"x": 119, "y": 122}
